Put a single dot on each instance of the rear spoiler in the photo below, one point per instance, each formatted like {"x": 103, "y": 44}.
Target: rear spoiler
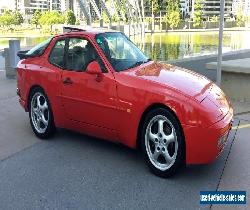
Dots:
{"x": 23, "y": 54}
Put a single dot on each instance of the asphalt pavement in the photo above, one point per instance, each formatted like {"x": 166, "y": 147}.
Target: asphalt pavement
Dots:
{"x": 237, "y": 171}
{"x": 74, "y": 171}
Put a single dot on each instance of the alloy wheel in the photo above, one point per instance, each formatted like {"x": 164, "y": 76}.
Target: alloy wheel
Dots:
{"x": 161, "y": 142}
{"x": 39, "y": 112}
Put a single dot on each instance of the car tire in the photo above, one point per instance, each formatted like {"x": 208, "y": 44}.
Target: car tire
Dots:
{"x": 40, "y": 114}
{"x": 162, "y": 142}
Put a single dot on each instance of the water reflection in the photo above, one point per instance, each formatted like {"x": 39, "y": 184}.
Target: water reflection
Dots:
{"x": 154, "y": 69}
{"x": 172, "y": 45}
{"x": 25, "y": 41}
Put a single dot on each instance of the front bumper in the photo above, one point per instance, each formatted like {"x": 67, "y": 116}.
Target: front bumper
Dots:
{"x": 203, "y": 145}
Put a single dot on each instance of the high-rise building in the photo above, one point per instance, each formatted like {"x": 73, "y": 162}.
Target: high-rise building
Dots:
{"x": 27, "y": 7}
{"x": 241, "y": 6}
{"x": 185, "y": 7}
{"x": 66, "y": 5}
{"x": 212, "y": 8}
{"x": 55, "y": 4}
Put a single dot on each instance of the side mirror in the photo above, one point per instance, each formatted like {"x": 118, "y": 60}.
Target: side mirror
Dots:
{"x": 94, "y": 68}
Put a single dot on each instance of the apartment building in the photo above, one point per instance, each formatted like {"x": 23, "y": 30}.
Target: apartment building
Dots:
{"x": 67, "y": 5}
{"x": 212, "y": 8}
{"x": 54, "y": 4}
{"x": 241, "y": 6}
{"x": 28, "y": 7}
{"x": 185, "y": 8}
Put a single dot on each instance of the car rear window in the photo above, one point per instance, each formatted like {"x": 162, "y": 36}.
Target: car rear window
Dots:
{"x": 40, "y": 48}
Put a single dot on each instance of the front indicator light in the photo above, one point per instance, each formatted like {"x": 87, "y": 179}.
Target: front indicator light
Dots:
{"x": 222, "y": 141}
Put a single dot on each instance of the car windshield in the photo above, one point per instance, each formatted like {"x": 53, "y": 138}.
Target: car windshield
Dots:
{"x": 120, "y": 51}
{"x": 40, "y": 48}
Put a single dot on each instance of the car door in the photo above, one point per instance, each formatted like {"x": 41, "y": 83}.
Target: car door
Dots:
{"x": 84, "y": 98}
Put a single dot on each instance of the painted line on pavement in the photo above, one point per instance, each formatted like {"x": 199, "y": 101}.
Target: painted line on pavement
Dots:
{"x": 241, "y": 126}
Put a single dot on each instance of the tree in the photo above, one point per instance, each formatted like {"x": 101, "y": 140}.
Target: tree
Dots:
{"x": 240, "y": 18}
{"x": 6, "y": 19}
{"x": 121, "y": 11}
{"x": 17, "y": 18}
{"x": 78, "y": 22}
{"x": 214, "y": 18}
{"x": 173, "y": 19}
{"x": 198, "y": 13}
{"x": 113, "y": 10}
{"x": 154, "y": 7}
{"x": 51, "y": 18}
{"x": 173, "y": 14}
{"x": 70, "y": 17}
{"x": 105, "y": 17}
{"x": 36, "y": 17}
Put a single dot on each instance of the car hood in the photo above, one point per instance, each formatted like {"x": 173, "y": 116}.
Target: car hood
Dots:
{"x": 182, "y": 80}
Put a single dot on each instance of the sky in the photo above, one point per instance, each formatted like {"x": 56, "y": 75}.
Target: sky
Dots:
{"x": 7, "y": 3}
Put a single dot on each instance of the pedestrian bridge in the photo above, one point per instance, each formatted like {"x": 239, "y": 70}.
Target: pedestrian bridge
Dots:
{"x": 126, "y": 10}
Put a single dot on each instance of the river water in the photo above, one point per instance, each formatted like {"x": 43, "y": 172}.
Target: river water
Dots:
{"x": 172, "y": 45}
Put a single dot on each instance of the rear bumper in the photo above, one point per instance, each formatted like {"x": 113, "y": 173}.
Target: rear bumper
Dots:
{"x": 204, "y": 145}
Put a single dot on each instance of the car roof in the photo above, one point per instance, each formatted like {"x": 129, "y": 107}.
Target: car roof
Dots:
{"x": 90, "y": 31}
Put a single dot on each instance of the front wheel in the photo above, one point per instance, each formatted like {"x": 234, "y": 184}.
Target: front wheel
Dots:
{"x": 40, "y": 113}
{"x": 162, "y": 142}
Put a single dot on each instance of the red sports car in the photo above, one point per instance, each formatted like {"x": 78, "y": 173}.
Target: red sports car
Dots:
{"x": 99, "y": 83}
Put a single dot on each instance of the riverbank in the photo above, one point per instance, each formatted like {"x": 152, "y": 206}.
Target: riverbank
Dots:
{"x": 24, "y": 35}
{"x": 198, "y": 30}
{"x": 41, "y": 32}
{"x": 27, "y": 32}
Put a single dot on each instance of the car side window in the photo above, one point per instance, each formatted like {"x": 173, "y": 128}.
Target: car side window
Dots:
{"x": 80, "y": 53}
{"x": 40, "y": 48}
{"x": 57, "y": 54}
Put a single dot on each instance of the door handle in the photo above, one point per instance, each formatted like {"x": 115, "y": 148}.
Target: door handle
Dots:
{"x": 67, "y": 81}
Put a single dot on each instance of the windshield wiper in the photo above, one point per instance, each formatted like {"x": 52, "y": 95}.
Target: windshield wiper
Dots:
{"x": 138, "y": 63}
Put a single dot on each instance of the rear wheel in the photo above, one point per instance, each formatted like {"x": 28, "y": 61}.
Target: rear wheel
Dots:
{"x": 162, "y": 142}
{"x": 40, "y": 113}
